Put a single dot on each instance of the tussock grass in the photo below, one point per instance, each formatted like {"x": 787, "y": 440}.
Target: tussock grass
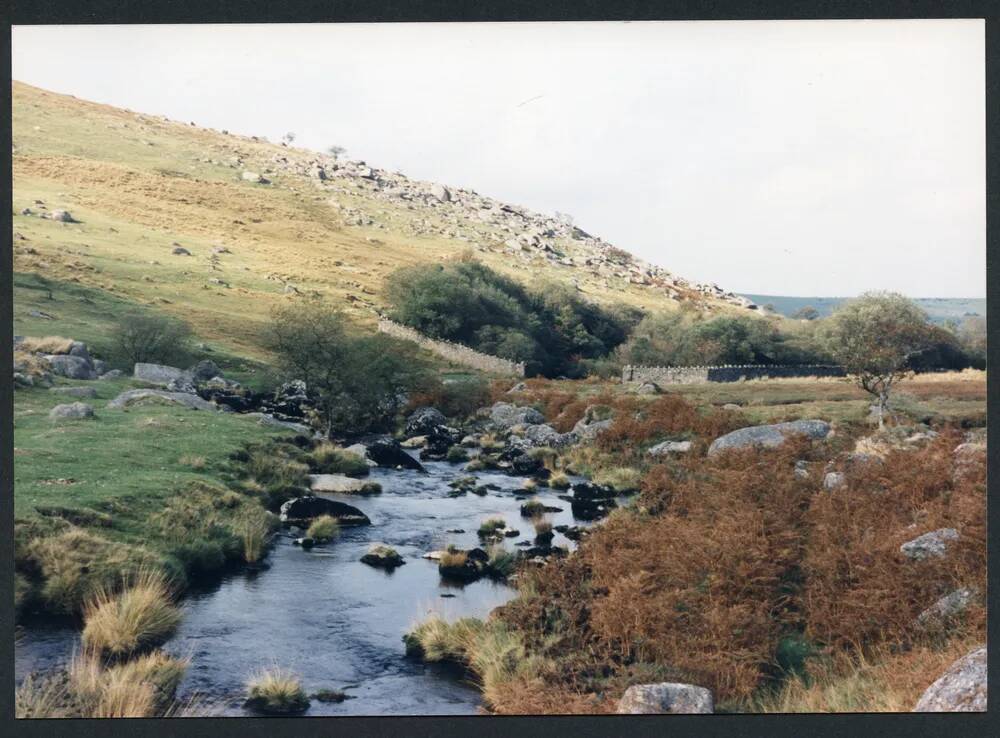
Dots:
{"x": 29, "y": 364}
{"x": 328, "y": 458}
{"x": 276, "y": 691}
{"x": 46, "y": 344}
{"x": 491, "y": 526}
{"x": 142, "y": 687}
{"x": 533, "y": 508}
{"x": 559, "y": 480}
{"x": 324, "y": 528}
{"x": 41, "y": 697}
{"x": 450, "y": 559}
{"x": 855, "y": 682}
{"x": 192, "y": 461}
{"x": 457, "y": 454}
{"x": 139, "y": 617}
{"x": 76, "y": 564}
{"x": 255, "y": 532}
{"x": 621, "y": 479}
{"x": 502, "y": 562}
{"x": 491, "y": 650}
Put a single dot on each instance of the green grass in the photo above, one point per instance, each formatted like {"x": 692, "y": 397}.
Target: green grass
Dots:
{"x": 123, "y": 462}
{"x": 90, "y": 315}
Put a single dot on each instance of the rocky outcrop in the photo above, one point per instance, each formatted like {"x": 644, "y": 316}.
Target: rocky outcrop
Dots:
{"x": 667, "y": 698}
{"x": 161, "y": 374}
{"x": 72, "y": 411}
{"x": 669, "y": 448}
{"x": 962, "y": 688}
{"x": 769, "y": 436}
{"x": 71, "y": 367}
{"x": 181, "y": 398}
{"x": 301, "y": 510}
{"x": 946, "y": 610}
{"x": 505, "y": 416}
{"x": 85, "y": 392}
{"x": 424, "y": 421}
{"x": 929, "y": 545}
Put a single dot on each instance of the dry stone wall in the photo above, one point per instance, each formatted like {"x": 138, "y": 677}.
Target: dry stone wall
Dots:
{"x": 454, "y": 352}
{"x": 733, "y": 373}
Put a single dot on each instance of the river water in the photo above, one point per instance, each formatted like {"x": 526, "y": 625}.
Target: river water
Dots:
{"x": 336, "y": 622}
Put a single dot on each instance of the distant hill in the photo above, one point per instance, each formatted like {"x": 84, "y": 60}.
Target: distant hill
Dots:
{"x": 939, "y": 309}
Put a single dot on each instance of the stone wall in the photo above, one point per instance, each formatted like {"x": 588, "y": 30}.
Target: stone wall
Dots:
{"x": 454, "y": 352}
{"x": 728, "y": 373}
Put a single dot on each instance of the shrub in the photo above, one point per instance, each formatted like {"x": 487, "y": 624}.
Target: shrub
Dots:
{"x": 146, "y": 337}
{"x": 356, "y": 382}
{"x": 328, "y": 458}
{"x": 457, "y": 454}
{"x": 139, "y": 617}
{"x": 276, "y": 691}
{"x": 323, "y": 528}
{"x": 550, "y": 329}
{"x": 456, "y": 399}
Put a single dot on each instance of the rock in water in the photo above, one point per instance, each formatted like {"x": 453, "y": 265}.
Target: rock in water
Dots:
{"x": 72, "y": 410}
{"x": 301, "y": 510}
{"x": 388, "y": 453}
{"x": 962, "y": 688}
{"x": 769, "y": 436}
{"x": 667, "y": 698}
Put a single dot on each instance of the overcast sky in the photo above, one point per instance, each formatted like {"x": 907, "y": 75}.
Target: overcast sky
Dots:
{"x": 797, "y": 158}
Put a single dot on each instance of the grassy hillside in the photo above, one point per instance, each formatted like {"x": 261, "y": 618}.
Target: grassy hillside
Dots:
{"x": 140, "y": 185}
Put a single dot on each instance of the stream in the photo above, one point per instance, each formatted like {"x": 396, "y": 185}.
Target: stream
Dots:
{"x": 334, "y": 621}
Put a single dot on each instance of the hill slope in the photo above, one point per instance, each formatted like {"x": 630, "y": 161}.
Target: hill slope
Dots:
{"x": 141, "y": 186}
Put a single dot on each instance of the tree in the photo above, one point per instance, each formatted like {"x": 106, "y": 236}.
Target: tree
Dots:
{"x": 875, "y": 337}
{"x": 357, "y": 383}
{"x": 289, "y": 137}
{"x": 807, "y": 312}
{"x": 145, "y": 337}
{"x": 336, "y": 151}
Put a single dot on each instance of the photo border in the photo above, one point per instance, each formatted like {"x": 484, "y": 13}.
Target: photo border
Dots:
{"x": 43, "y": 12}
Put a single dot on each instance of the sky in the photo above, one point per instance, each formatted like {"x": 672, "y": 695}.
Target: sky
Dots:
{"x": 817, "y": 158}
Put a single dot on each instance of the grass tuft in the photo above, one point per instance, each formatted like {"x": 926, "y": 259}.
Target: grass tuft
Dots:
{"x": 276, "y": 691}
{"x": 139, "y": 617}
{"x": 324, "y": 528}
